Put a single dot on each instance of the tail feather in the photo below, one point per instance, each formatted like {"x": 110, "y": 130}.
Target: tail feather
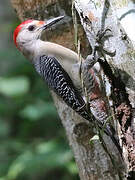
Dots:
{"x": 108, "y": 129}
{"x": 111, "y": 132}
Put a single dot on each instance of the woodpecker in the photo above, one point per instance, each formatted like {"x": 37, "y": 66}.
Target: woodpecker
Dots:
{"x": 60, "y": 68}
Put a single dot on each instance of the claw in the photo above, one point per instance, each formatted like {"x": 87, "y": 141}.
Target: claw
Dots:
{"x": 101, "y": 37}
{"x": 104, "y": 34}
{"x": 107, "y": 29}
{"x": 112, "y": 54}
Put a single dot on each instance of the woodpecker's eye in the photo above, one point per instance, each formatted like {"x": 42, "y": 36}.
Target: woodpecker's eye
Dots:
{"x": 31, "y": 27}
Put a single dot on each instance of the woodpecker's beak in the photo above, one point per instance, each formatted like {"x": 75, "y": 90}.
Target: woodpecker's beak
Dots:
{"x": 50, "y": 22}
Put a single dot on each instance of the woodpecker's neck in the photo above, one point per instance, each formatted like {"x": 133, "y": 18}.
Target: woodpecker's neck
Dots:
{"x": 57, "y": 51}
{"x": 28, "y": 49}
{"x": 36, "y": 48}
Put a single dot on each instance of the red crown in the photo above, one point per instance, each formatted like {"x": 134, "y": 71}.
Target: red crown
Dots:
{"x": 17, "y": 30}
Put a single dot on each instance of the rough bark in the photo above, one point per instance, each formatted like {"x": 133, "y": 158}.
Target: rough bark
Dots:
{"x": 91, "y": 158}
{"x": 97, "y": 16}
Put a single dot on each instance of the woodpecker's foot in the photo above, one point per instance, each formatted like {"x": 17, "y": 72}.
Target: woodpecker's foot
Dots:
{"x": 91, "y": 60}
{"x": 100, "y": 39}
{"x": 103, "y": 34}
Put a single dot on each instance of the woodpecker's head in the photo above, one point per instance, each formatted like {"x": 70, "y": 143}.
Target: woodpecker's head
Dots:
{"x": 31, "y": 30}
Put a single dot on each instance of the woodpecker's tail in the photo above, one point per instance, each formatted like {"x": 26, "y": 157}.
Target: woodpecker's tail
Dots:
{"x": 109, "y": 130}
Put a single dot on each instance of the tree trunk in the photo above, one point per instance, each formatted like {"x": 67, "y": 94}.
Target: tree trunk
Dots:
{"x": 93, "y": 160}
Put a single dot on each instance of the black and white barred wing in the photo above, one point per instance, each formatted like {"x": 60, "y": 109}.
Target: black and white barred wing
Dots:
{"x": 60, "y": 82}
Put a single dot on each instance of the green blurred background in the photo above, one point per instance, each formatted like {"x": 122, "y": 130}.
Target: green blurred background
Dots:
{"x": 33, "y": 144}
